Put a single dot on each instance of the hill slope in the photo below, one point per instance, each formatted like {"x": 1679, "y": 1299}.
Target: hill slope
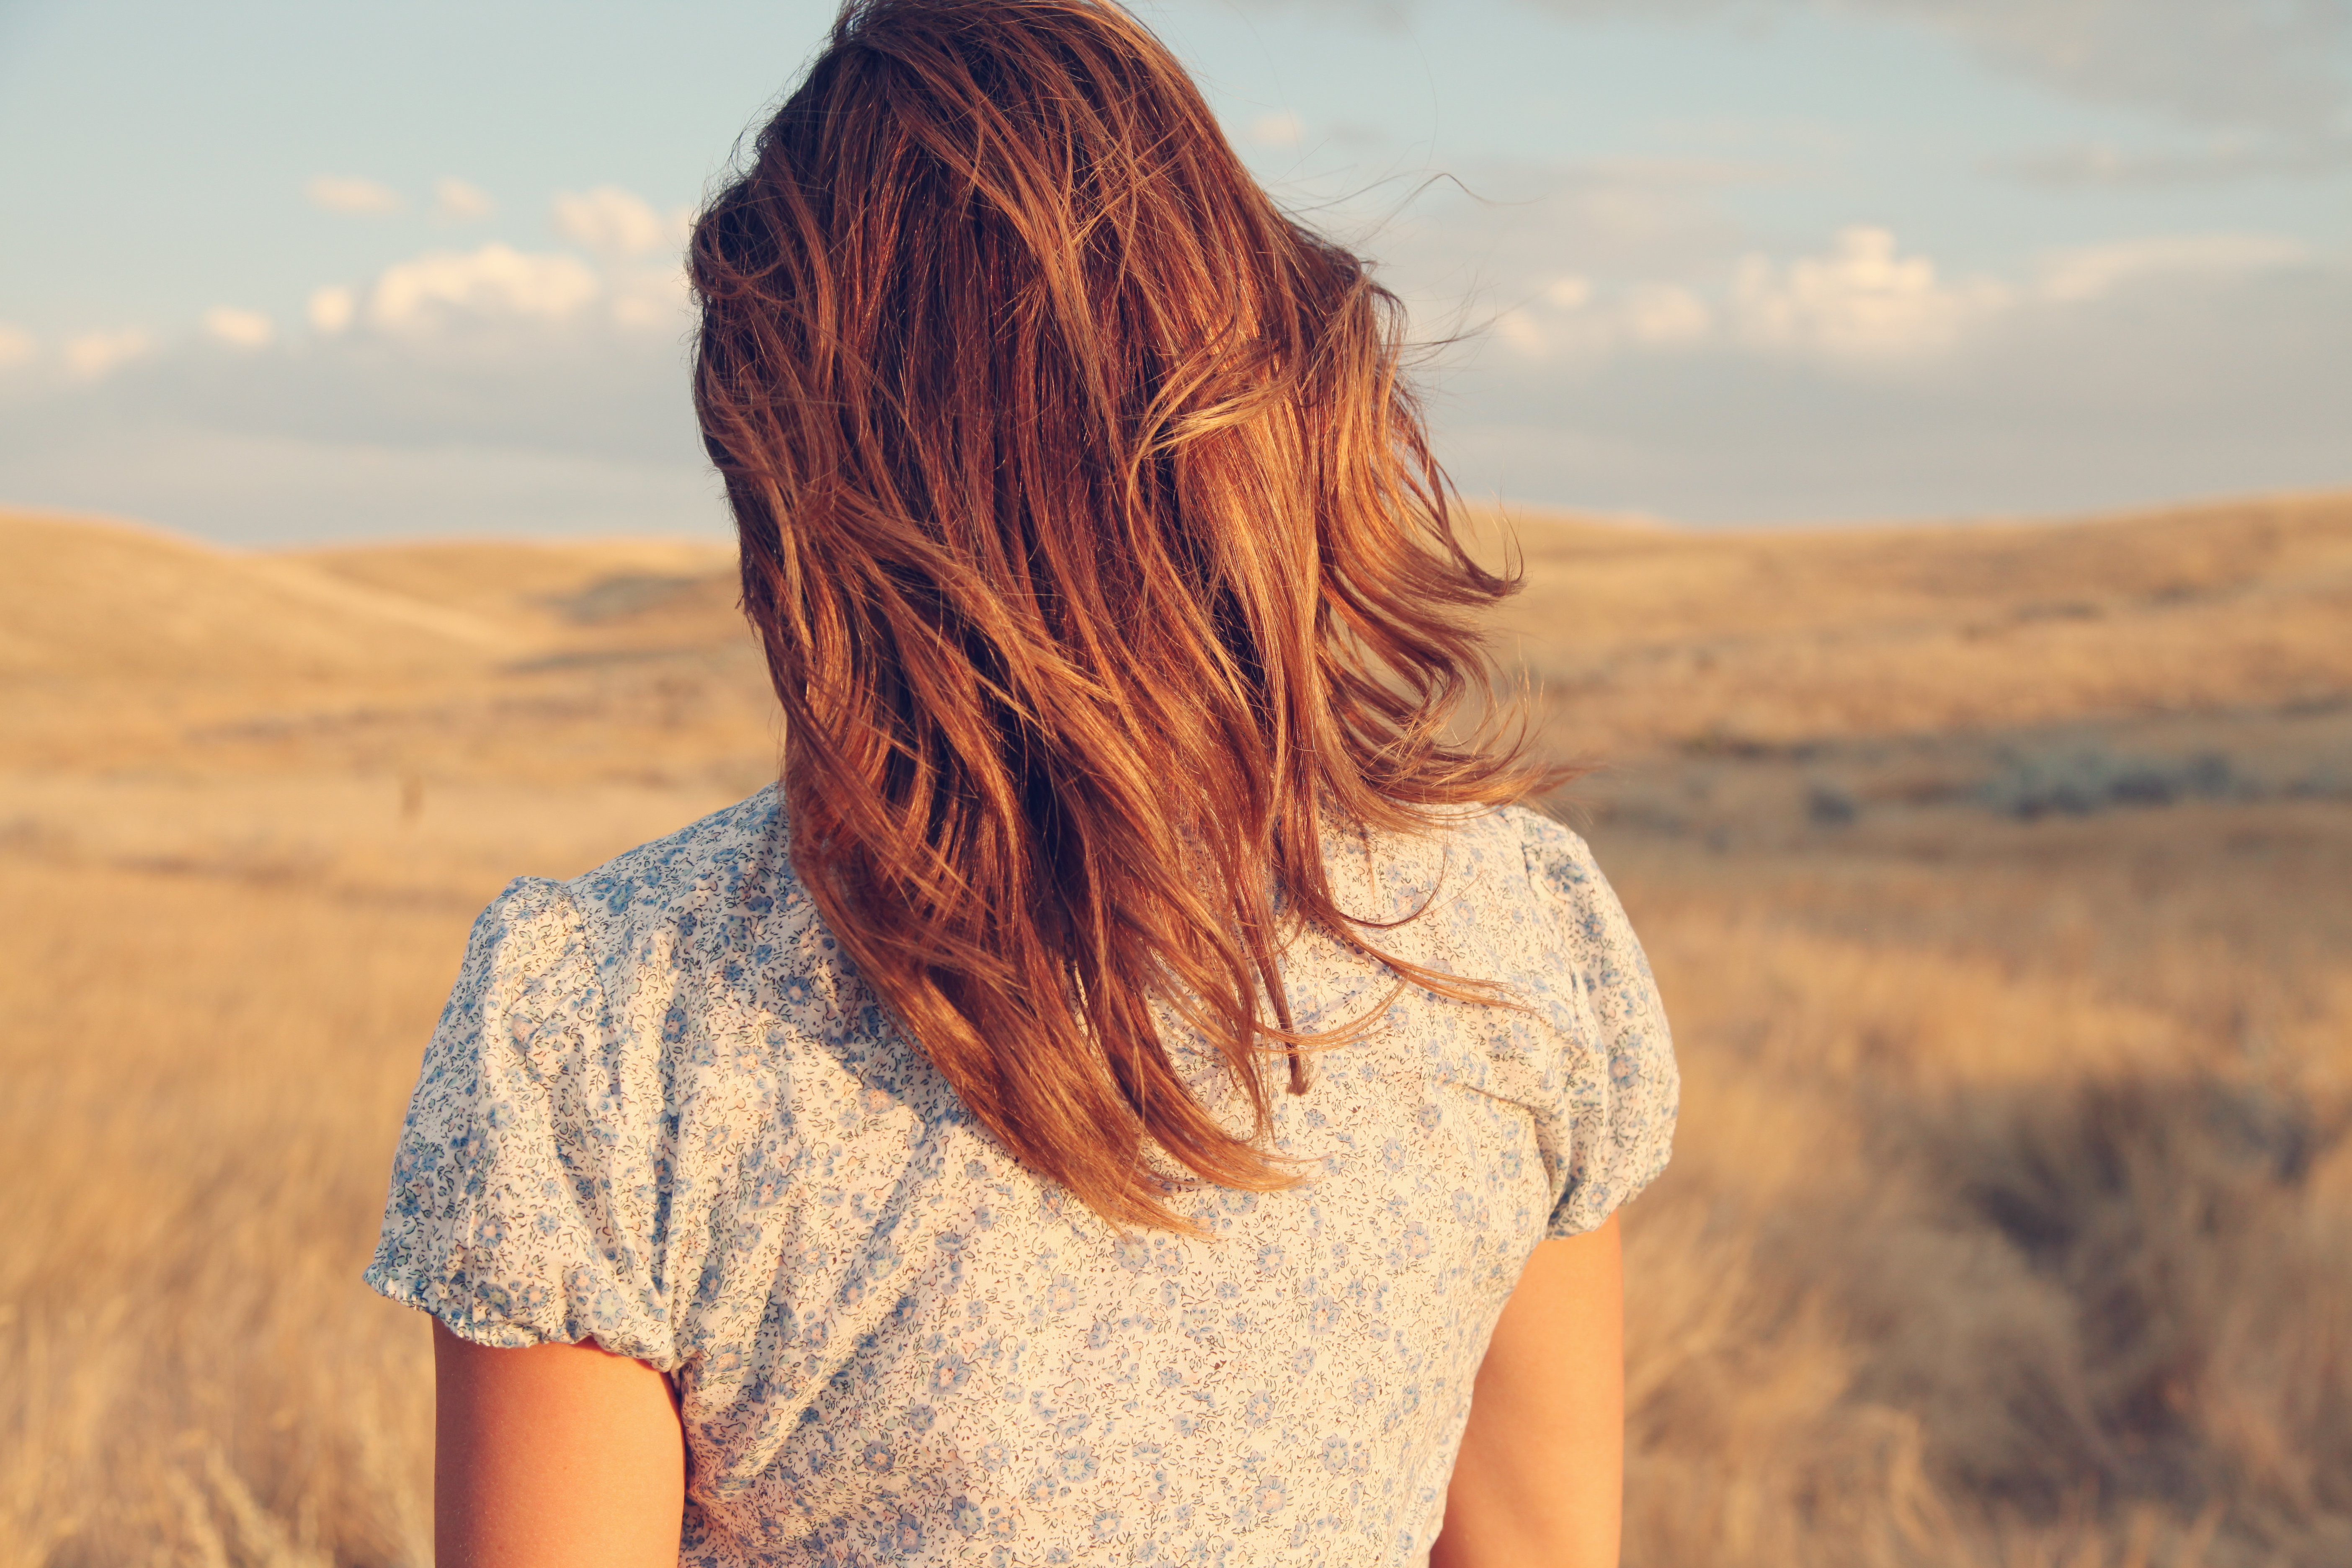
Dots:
{"x": 82, "y": 597}
{"x": 1640, "y": 640}
{"x": 1645, "y": 638}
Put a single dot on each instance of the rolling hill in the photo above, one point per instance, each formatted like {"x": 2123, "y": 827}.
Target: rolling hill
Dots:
{"x": 1998, "y": 879}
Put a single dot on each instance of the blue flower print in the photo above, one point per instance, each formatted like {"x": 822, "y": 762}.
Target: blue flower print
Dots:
{"x": 663, "y": 1108}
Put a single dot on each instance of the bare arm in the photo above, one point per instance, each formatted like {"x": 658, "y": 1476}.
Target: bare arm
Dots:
{"x": 1540, "y": 1480}
{"x": 561, "y": 1456}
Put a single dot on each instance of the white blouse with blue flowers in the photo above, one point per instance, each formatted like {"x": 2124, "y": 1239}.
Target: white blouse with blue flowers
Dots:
{"x": 662, "y": 1110}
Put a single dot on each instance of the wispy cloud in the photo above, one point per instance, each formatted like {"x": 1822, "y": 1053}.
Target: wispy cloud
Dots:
{"x": 1862, "y": 301}
{"x": 1457, "y": 249}
{"x": 1282, "y": 129}
{"x": 352, "y": 194}
{"x": 651, "y": 300}
{"x": 481, "y": 298}
{"x": 2166, "y": 382}
{"x": 92, "y": 355}
{"x": 2090, "y": 272}
{"x": 460, "y": 201}
{"x": 1664, "y": 315}
{"x": 332, "y": 309}
{"x": 237, "y": 327}
{"x": 2233, "y": 158}
{"x": 1862, "y": 304}
{"x": 437, "y": 289}
{"x": 2279, "y": 71}
{"x": 2278, "y": 65}
{"x": 611, "y": 222}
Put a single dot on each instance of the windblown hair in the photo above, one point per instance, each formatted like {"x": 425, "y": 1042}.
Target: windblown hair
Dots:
{"x": 1099, "y": 559}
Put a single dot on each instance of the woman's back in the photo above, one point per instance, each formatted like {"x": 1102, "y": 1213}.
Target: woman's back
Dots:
{"x": 663, "y": 1111}
{"x": 1096, "y": 1106}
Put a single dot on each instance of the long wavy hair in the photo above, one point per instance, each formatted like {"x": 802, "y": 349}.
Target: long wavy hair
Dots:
{"x": 1100, "y": 562}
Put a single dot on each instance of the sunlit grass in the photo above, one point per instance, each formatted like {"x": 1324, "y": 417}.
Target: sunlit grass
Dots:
{"x": 2012, "y": 1222}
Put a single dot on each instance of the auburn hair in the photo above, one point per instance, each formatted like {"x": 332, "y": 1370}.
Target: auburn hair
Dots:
{"x": 1100, "y": 562}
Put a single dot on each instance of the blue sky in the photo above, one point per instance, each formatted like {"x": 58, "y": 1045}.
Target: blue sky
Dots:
{"x": 284, "y": 272}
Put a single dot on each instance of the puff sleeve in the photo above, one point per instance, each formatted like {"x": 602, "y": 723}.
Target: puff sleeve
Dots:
{"x": 1621, "y": 1126}
{"x": 526, "y": 1205}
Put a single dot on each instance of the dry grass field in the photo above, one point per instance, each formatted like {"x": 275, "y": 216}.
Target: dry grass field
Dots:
{"x": 1998, "y": 880}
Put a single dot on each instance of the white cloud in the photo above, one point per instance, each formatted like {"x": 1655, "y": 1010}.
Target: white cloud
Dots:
{"x": 1569, "y": 293}
{"x": 495, "y": 281}
{"x": 1557, "y": 321}
{"x": 652, "y": 299}
{"x": 610, "y": 221}
{"x": 1664, "y": 315}
{"x": 239, "y": 329}
{"x": 92, "y": 356}
{"x": 1865, "y": 302}
{"x": 16, "y": 346}
{"x": 1284, "y": 130}
{"x": 1502, "y": 233}
{"x": 1861, "y": 300}
{"x": 1574, "y": 319}
{"x": 349, "y": 194}
{"x": 460, "y": 201}
{"x": 1522, "y": 331}
{"x": 2176, "y": 385}
{"x": 453, "y": 295}
{"x": 332, "y": 308}
{"x": 2090, "y": 271}
{"x": 2176, "y": 382}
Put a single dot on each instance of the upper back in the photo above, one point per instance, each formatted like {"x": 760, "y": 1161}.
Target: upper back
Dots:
{"x": 663, "y": 1111}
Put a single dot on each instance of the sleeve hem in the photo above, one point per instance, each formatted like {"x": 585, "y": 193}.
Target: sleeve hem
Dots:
{"x": 1579, "y": 1213}
{"x": 496, "y": 1330}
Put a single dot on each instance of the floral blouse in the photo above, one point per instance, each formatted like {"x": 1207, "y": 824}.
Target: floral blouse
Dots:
{"x": 662, "y": 1110}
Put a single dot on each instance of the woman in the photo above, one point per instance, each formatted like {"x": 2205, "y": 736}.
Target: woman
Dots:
{"x": 1136, "y": 1091}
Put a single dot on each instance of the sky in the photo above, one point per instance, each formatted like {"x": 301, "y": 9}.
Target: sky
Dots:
{"x": 283, "y": 273}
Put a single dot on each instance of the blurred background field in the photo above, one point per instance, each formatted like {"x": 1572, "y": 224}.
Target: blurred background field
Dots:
{"x": 1999, "y": 879}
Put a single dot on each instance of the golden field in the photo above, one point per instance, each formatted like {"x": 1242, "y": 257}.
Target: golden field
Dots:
{"x": 1999, "y": 879}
